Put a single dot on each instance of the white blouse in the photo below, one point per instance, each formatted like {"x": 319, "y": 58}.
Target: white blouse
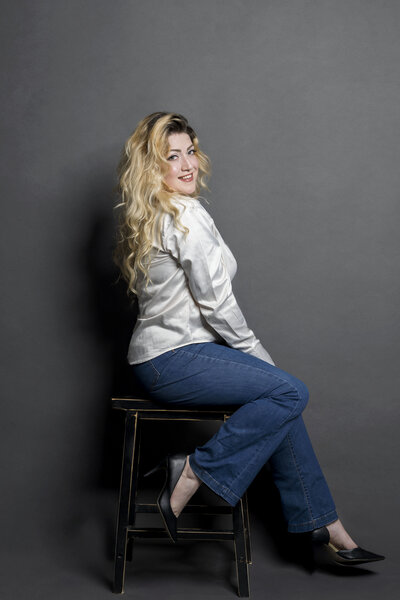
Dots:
{"x": 189, "y": 298}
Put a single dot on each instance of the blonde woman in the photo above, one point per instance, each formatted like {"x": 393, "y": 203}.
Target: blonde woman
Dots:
{"x": 191, "y": 345}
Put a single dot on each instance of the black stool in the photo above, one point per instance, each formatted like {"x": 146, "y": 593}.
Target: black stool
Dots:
{"x": 138, "y": 410}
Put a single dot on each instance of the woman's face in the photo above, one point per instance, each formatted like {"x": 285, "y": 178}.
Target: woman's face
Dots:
{"x": 183, "y": 164}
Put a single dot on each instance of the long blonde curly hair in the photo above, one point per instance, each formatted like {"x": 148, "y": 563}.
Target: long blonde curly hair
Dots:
{"x": 144, "y": 195}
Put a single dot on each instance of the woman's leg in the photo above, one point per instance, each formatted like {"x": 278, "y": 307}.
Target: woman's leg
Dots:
{"x": 306, "y": 500}
{"x": 266, "y": 426}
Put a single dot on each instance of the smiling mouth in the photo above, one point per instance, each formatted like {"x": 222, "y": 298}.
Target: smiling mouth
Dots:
{"x": 186, "y": 178}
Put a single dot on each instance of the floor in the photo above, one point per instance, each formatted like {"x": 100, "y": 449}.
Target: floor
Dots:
{"x": 78, "y": 564}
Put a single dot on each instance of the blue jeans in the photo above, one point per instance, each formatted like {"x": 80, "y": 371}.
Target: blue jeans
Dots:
{"x": 267, "y": 426}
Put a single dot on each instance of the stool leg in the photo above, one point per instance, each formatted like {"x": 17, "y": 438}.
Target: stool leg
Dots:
{"x": 240, "y": 550}
{"x": 135, "y": 471}
{"x": 124, "y": 501}
{"x": 247, "y": 528}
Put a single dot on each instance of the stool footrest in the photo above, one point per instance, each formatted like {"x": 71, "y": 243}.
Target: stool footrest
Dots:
{"x": 195, "y": 509}
{"x": 183, "y": 534}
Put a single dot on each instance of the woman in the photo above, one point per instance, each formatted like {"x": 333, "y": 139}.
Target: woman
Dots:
{"x": 191, "y": 345}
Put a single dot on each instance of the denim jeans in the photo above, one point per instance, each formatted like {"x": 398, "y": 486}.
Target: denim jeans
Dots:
{"x": 267, "y": 426}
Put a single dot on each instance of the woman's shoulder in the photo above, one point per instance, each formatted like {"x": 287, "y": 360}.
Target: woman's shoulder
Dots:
{"x": 191, "y": 214}
{"x": 185, "y": 203}
{"x": 189, "y": 209}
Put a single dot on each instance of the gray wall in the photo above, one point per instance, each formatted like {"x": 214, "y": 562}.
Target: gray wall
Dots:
{"x": 297, "y": 104}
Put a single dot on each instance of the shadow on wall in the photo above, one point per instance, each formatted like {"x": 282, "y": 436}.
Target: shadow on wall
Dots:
{"x": 113, "y": 312}
{"x": 113, "y": 315}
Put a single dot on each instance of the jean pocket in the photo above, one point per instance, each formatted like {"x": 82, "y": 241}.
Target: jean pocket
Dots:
{"x": 161, "y": 364}
{"x": 146, "y": 374}
{"x": 156, "y": 375}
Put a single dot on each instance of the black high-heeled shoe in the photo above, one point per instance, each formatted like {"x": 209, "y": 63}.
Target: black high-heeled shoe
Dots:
{"x": 173, "y": 465}
{"x": 326, "y": 554}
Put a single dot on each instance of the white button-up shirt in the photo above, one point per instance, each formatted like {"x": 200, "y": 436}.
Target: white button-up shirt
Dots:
{"x": 189, "y": 298}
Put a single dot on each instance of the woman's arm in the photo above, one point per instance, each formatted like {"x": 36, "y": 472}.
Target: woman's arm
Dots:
{"x": 200, "y": 255}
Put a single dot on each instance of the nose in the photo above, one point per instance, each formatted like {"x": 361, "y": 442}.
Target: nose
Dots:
{"x": 186, "y": 165}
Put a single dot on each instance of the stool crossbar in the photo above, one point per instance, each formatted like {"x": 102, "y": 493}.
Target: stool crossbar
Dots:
{"x": 138, "y": 410}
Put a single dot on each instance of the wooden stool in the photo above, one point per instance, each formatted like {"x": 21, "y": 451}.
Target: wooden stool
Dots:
{"x": 138, "y": 410}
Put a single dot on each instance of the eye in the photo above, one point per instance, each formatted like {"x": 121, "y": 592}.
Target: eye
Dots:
{"x": 192, "y": 151}
{"x": 172, "y": 157}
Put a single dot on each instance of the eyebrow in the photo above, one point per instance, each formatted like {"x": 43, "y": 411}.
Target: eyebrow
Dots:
{"x": 177, "y": 150}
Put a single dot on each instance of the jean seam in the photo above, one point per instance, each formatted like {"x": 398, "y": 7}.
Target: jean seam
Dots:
{"x": 220, "y": 485}
{"x": 231, "y": 362}
{"x": 224, "y": 491}
{"x": 313, "y": 522}
{"x": 156, "y": 375}
{"x": 304, "y": 487}
{"x": 156, "y": 370}
{"x": 314, "y": 519}
{"x": 243, "y": 472}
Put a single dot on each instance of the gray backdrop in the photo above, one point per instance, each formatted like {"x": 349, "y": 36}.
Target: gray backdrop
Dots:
{"x": 297, "y": 104}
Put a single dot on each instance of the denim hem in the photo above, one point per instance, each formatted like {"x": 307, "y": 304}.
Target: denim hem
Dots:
{"x": 214, "y": 485}
{"x": 314, "y": 524}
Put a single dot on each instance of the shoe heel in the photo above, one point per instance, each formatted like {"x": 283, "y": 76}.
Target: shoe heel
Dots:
{"x": 162, "y": 465}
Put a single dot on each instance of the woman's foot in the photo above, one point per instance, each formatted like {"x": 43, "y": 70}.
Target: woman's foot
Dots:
{"x": 338, "y": 549}
{"x": 187, "y": 485}
{"x": 339, "y": 536}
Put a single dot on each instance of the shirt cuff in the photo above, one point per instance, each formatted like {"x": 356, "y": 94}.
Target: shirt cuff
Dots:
{"x": 260, "y": 352}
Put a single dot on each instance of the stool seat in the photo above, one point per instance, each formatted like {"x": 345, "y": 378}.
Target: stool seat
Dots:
{"x": 154, "y": 410}
{"x": 143, "y": 409}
